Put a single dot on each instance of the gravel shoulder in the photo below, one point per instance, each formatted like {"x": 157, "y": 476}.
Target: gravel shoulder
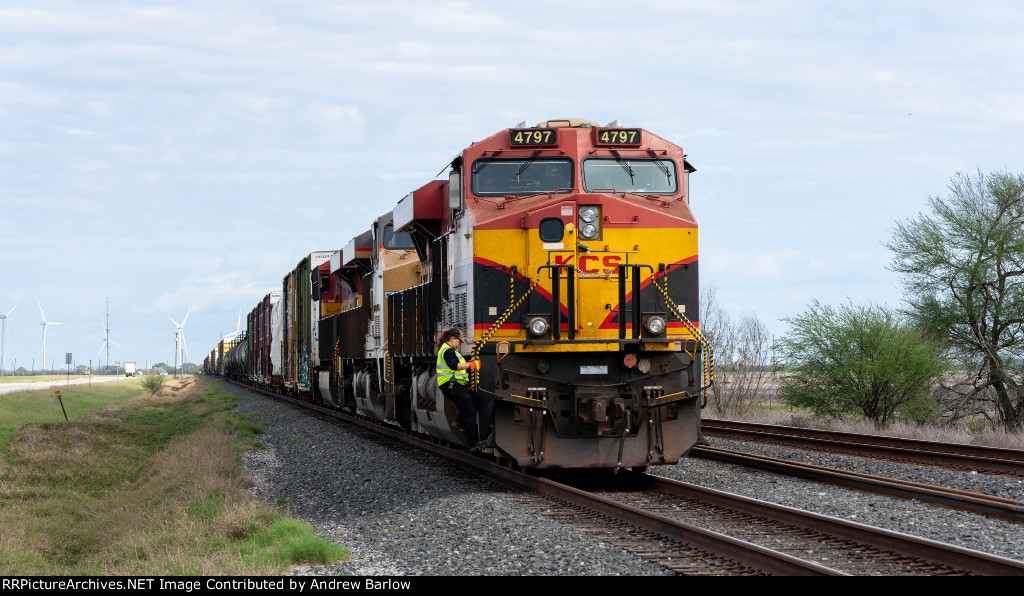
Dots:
{"x": 403, "y": 512}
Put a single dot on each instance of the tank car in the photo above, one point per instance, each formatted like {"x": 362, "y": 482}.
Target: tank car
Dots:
{"x": 236, "y": 358}
{"x": 226, "y": 363}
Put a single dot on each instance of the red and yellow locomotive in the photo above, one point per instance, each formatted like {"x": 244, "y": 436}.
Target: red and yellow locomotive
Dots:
{"x": 566, "y": 253}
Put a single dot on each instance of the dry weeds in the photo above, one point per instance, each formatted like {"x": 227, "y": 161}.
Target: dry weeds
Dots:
{"x": 766, "y": 408}
{"x": 150, "y": 486}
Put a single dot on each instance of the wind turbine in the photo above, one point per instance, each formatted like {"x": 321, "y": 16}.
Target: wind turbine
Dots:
{"x": 45, "y": 324}
{"x": 238, "y": 326}
{"x": 3, "y": 338}
{"x": 106, "y": 342}
{"x": 180, "y": 332}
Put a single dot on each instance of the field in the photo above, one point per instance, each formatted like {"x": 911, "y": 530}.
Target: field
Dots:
{"x": 41, "y": 406}
{"x": 137, "y": 484}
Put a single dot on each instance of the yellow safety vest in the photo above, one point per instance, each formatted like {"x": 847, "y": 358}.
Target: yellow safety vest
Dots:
{"x": 445, "y": 374}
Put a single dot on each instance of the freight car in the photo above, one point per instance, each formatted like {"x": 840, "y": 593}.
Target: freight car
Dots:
{"x": 567, "y": 254}
{"x": 264, "y": 323}
{"x": 236, "y": 358}
{"x": 232, "y": 360}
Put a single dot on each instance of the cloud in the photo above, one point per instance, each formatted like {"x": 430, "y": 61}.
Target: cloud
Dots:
{"x": 75, "y": 131}
{"x": 161, "y": 141}
{"x": 339, "y": 122}
{"x": 205, "y": 293}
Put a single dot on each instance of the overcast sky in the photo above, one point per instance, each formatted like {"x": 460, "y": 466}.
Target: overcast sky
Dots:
{"x": 180, "y": 157}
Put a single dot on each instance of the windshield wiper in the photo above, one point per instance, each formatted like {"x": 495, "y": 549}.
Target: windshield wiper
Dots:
{"x": 664, "y": 169}
{"x": 625, "y": 165}
{"x": 526, "y": 164}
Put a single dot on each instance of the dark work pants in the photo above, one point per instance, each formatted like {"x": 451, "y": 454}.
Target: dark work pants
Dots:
{"x": 467, "y": 401}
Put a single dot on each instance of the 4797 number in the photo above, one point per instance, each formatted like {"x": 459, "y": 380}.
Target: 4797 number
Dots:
{"x": 618, "y": 136}
{"x": 533, "y": 137}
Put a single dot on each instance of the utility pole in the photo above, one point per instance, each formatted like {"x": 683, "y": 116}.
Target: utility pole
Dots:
{"x": 108, "y": 331}
{"x": 175, "y": 354}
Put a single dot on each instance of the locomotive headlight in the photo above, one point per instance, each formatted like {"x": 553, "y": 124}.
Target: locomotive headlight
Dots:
{"x": 655, "y": 325}
{"x": 538, "y": 326}
{"x": 590, "y": 222}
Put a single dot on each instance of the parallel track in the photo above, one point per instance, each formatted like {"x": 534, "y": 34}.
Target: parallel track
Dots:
{"x": 689, "y": 548}
{"x": 938, "y": 495}
{"x": 951, "y": 455}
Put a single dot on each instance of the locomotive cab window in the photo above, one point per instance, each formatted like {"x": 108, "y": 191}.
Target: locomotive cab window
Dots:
{"x": 524, "y": 176}
{"x": 397, "y": 240}
{"x": 647, "y": 176}
{"x": 552, "y": 229}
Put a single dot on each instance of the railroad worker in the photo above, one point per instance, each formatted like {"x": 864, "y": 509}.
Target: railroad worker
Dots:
{"x": 453, "y": 380}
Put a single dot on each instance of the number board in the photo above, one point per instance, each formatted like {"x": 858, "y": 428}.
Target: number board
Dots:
{"x": 618, "y": 136}
{"x": 533, "y": 137}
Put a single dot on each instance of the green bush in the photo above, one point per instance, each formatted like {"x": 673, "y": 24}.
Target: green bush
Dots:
{"x": 860, "y": 360}
{"x": 153, "y": 383}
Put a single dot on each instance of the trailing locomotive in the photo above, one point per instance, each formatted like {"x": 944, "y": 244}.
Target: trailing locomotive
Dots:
{"x": 567, "y": 254}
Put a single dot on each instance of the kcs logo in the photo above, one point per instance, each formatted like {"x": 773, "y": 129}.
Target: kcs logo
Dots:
{"x": 608, "y": 264}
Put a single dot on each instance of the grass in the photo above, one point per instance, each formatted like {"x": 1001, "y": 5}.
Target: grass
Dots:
{"x": 40, "y": 406}
{"x": 286, "y": 540}
{"x": 141, "y": 485}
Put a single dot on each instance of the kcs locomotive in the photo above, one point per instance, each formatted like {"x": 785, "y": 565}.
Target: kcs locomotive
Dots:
{"x": 567, "y": 254}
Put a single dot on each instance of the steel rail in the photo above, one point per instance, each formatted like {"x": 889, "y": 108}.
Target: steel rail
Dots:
{"x": 937, "y": 552}
{"x": 994, "y": 459}
{"x": 949, "y": 497}
{"x": 764, "y": 559}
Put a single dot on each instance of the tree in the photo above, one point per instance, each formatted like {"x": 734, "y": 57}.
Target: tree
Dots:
{"x": 963, "y": 268}
{"x": 153, "y": 383}
{"x": 859, "y": 359}
{"x": 742, "y": 355}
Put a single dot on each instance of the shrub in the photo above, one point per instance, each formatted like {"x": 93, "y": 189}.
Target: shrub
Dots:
{"x": 153, "y": 383}
{"x": 860, "y": 359}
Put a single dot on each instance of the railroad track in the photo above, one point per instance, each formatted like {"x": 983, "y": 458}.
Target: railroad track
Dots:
{"x": 938, "y": 495}
{"x": 951, "y": 455}
{"x": 753, "y": 537}
{"x": 843, "y": 547}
